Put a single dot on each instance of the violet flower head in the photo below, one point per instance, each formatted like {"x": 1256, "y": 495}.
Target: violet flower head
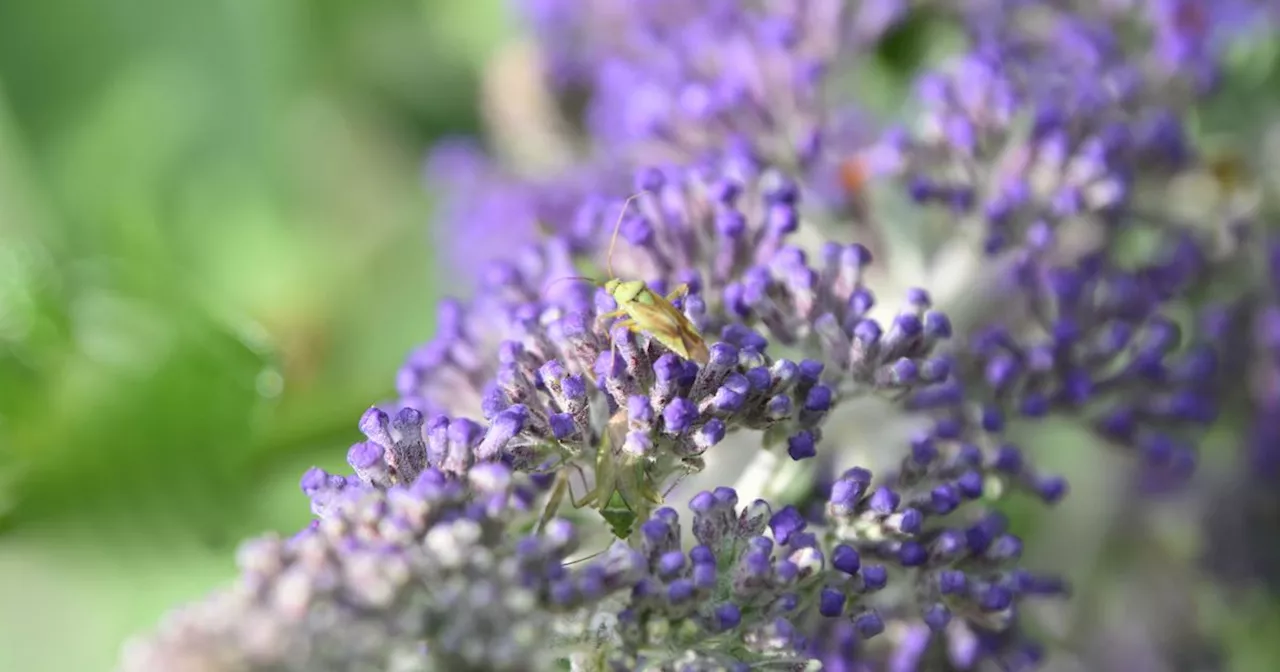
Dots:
{"x": 1245, "y": 507}
{"x": 482, "y": 208}
{"x": 1039, "y": 138}
{"x": 1189, "y": 37}
{"x": 672, "y": 81}
{"x": 1005, "y": 260}
{"x": 413, "y": 575}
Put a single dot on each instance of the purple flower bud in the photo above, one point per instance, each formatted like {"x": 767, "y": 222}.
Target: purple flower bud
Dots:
{"x": 704, "y": 576}
{"x": 901, "y": 373}
{"x": 680, "y": 591}
{"x": 778, "y": 407}
{"x": 1005, "y": 547}
{"x": 846, "y": 559}
{"x": 868, "y": 624}
{"x": 935, "y": 370}
{"x": 1034, "y": 405}
{"x": 670, "y": 564}
{"x": 574, "y": 387}
{"x": 936, "y": 325}
{"x": 910, "y": 522}
{"x": 702, "y": 555}
{"x": 883, "y": 501}
{"x": 639, "y": 411}
{"x": 912, "y": 554}
{"x": 785, "y": 523}
{"x": 710, "y": 434}
{"x": 830, "y": 602}
{"x": 970, "y": 484}
{"x": 493, "y": 402}
{"x": 366, "y": 459}
{"x": 762, "y": 545}
{"x": 819, "y": 399}
{"x": 874, "y": 577}
{"x": 811, "y": 370}
{"x": 944, "y": 499}
{"x": 923, "y": 450}
{"x": 702, "y": 503}
{"x": 727, "y": 617}
{"x": 1051, "y": 489}
{"x": 679, "y": 415}
{"x": 801, "y": 446}
{"x": 505, "y": 427}
{"x": 375, "y": 424}
{"x": 952, "y": 582}
{"x": 860, "y": 303}
{"x": 667, "y": 368}
{"x": 727, "y": 400}
{"x": 759, "y": 379}
{"x": 744, "y": 337}
{"x": 993, "y": 598}
{"x": 937, "y": 616}
{"x": 1008, "y": 459}
{"x": 562, "y": 426}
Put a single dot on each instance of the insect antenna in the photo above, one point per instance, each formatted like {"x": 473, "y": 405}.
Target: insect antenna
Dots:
{"x": 617, "y": 226}
{"x": 553, "y": 283}
{"x": 671, "y": 488}
{"x": 589, "y": 557}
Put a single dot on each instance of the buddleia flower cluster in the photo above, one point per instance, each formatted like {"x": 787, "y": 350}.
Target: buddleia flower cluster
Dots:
{"x": 591, "y": 476}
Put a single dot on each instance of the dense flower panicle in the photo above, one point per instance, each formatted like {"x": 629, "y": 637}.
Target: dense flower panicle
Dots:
{"x": 419, "y": 576}
{"x": 670, "y": 80}
{"x": 1175, "y": 40}
{"x": 576, "y": 35}
{"x": 1101, "y": 342}
{"x": 1264, "y": 453}
{"x": 532, "y": 297}
{"x": 548, "y": 353}
{"x": 703, "y": 224}
{"x": 1245, "y": 507}
{"x": 484, "y": 211}
{"x": 1188, "y": 37}
{"x": 1036, "y": 140}
{"x": 764, "y": 586}
{"x": 964, "y": 583}
{"x": 1051, "y": 147}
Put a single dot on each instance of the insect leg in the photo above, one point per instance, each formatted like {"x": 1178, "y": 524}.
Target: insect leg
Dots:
{"x": 553, "y": 502}
{"x": 684, "y": 473}
{"x": 591, "y": 495}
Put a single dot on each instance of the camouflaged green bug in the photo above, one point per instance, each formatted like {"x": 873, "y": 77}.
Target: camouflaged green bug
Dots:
{"x": 647, "y": 312}
{"x": 622, "y": 493}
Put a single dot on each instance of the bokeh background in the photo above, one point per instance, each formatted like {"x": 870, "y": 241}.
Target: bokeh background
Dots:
{"x": 214, "y": 253}
{"x": 215, "y": 250}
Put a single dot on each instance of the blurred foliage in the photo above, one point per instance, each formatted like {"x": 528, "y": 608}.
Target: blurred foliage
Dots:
{"x": 213, "y": 255}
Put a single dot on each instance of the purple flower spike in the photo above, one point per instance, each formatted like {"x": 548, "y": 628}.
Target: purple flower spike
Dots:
{"x": 801, "y": 446}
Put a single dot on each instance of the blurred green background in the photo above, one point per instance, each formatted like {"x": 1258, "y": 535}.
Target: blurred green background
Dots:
{"x": 214, "y": 254}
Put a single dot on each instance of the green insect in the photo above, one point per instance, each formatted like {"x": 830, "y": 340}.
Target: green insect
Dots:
{"x": 646, "y": 311}
{"x": 622, "y": 493}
